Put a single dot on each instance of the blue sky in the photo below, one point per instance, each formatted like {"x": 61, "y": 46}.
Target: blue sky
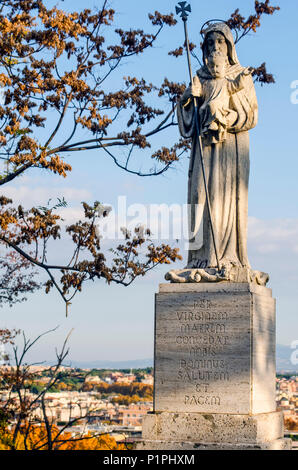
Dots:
{"x": 116, "y": 323}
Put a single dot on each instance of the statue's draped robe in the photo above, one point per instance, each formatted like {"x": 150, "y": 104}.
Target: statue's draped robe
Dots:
{"x": 227, "y": 174}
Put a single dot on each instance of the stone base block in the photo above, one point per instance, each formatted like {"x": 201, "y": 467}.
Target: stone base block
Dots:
{"x": 213, "y": 431}
{"x": 214, "y": 349}
{"x": 278, "y": 444}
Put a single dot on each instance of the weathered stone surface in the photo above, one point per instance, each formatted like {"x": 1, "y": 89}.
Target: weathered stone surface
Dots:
{"x": 214, "y": 428}
{"x": 215, "y": 349}
{"x": 224, "y": 287}
{"x": 214, "y": 370}
{"x": 231, "y": 274}
{"x": 279, "y": 444}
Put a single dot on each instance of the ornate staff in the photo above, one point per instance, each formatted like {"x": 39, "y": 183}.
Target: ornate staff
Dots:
{"x": 184, "y": 9}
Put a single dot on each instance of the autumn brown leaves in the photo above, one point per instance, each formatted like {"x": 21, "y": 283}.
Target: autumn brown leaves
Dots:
{"x": 55, "y": 70}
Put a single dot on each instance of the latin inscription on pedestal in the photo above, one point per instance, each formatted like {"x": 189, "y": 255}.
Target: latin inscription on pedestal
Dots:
{"x": 204, "y": 353}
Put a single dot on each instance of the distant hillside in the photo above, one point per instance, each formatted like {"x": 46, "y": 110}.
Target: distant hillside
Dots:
{"x": 129, "y": 364}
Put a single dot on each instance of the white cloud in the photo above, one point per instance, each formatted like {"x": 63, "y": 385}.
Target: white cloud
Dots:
{"x": 71, "y": 215}
{"x": 39, "y": 195}
{"x": 264, "y": 236}
{"x": 273, "y": 235}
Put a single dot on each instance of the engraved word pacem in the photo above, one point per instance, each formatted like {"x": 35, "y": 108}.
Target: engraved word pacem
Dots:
{"x": 201, "y": 400}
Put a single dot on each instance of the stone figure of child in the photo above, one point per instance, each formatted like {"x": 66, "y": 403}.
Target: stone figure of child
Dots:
{"x": 215, "y": 113}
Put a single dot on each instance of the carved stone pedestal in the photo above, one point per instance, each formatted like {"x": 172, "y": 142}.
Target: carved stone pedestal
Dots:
{"x": 214, "y": 369}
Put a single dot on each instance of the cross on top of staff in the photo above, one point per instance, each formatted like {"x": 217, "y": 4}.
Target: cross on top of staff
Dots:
{"x": 183, "y": 9}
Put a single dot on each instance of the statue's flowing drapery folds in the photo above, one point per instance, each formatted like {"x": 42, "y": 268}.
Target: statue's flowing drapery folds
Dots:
{"x": 227, "y": 169}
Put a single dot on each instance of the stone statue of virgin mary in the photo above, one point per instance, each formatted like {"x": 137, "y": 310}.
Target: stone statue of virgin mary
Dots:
{"x": 226, "y": 159}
